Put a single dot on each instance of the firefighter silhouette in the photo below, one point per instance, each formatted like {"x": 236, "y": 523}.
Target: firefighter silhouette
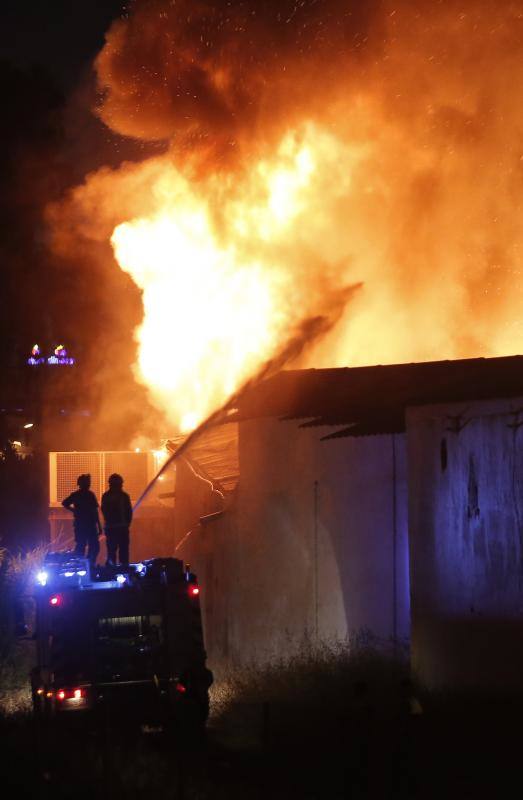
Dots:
{"x": 118, "y": 513}
{"x": 87, "y": 526}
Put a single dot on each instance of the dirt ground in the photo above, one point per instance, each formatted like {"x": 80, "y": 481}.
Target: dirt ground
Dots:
{"x": 435, "y": 748}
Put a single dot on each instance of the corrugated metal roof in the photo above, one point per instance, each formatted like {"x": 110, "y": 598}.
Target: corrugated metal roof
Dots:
{"x": 370, "y": 400}
{"x": 214, "y": 456}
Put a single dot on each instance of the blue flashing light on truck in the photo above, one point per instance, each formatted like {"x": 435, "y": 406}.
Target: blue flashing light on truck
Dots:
{"x": 123, "y": 641}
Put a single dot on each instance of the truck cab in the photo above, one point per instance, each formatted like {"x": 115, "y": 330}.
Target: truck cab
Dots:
{"x": 127, "y": 642}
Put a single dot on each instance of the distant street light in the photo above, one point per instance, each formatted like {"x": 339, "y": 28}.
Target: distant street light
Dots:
{"x": 28, "y": 425}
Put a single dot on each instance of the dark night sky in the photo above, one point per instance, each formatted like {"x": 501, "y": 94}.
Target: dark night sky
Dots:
{"x": 49, "y": 141}
{"x": 62, "y": 35}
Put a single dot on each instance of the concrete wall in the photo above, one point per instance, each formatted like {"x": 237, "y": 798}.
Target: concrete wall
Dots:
{"x": 313, "y": 547}
{"x": 466, "y": 511}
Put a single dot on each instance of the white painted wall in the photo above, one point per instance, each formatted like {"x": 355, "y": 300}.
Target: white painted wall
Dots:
{"x": 307, "y": 550}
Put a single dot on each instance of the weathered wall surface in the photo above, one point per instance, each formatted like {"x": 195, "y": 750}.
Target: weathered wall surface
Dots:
{"x": 466, "y": 510}
{"x": 314, "y": 545}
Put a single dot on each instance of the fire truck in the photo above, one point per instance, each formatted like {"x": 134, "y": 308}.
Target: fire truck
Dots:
{"x": 124, "y": 642}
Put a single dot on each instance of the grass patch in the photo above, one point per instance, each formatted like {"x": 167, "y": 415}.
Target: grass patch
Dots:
{"x": 315, "y": 692}
{"x": 16, "y": 607}
{"x": 317, "y": 673}
{"x": 15, "y": 687}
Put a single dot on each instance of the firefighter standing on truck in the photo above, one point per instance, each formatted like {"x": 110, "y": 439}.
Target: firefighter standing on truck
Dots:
{"x": 118, "y": 513}
{"x": 87, "y": 527}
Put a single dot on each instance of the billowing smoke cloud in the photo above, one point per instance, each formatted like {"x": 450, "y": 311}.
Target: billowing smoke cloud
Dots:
{"x": 321, "y": 145}
{"x": 220, "y": 71}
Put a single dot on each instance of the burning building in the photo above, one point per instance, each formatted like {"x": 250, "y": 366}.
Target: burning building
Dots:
{"x": 332, "y": 183}
{"x": 378, "y": 499}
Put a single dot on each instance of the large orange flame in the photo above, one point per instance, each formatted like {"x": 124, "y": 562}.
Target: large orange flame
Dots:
{"x": 218, "y": 298}
{"x": 377, "y": 144}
